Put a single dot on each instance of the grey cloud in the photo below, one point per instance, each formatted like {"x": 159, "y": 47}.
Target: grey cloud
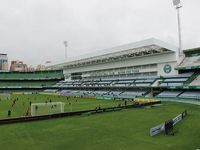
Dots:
{"x": 34, "y": 30}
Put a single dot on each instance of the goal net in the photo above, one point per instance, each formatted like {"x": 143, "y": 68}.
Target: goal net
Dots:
{"x": 38, "y": 109}
{"x": 4, "y": 96}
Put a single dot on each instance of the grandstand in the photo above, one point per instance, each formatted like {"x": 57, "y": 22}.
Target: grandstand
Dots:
{"x": 29, "y": 80}
{"x": 170, "y": 94}
{"x": 141, "y": 69}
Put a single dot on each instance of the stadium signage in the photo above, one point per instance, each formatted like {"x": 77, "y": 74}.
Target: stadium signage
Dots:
{"x": 167, "y": 68}
{"x": 177, "y": 119}
{"x": 104, "y": 97}
{"x": 161, "y": 128}
{"x": 157, "y": 129}
{"x": 135, "y": 71}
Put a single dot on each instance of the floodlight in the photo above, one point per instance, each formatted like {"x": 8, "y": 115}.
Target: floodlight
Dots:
{"x": 66, "y": 44}
{"x": 176, "y": 2}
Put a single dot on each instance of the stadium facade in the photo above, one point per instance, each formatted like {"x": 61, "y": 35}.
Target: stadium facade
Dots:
{"x": 15, "y": 81}
{"x": 150, "y": 57}
{"x": 148, "y": 68}
{"x": 142, "y": 69}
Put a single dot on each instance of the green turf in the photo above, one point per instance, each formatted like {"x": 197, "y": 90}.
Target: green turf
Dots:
{"x": 124, "y": 130}
{"x": 77, "y": 104}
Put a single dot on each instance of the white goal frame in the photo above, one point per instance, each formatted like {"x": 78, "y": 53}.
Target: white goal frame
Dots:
{"x": 38, "y": 109}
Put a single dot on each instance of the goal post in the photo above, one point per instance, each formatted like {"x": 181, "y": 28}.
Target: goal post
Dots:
{"x": 38, "y": 109}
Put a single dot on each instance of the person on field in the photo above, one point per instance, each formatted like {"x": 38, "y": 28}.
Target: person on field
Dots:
{"x": 27, "y": 112}
{"x": 9, "y": 113}
{"x": 125, "y": 103}
{"x": 36, "y": 108}
{"x": 14, "y": 101}
{"x": 23, "y": 103}
{"x": 119, "y": 105}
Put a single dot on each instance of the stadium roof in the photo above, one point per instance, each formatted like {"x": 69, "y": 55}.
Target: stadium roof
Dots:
{"x": 192, "y": 49}
{"x": 3, "y": 54}
{"x": 141, "y": 48}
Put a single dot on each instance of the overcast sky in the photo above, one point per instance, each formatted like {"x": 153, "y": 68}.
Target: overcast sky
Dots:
{"x": 34, "y": 30}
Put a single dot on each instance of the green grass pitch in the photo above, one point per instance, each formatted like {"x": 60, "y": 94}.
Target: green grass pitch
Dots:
{"x": 123, "y": 130}
{"x": 71, "y": 104}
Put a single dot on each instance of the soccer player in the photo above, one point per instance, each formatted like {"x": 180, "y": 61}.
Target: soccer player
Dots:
{"x": 119, "y": 105}
{"x": 125, "y": 103}
{"x": 23, "y": 103}
{"x": 9, "y": 113}
{"x": 36, "y": 108}
{"x": 27, "y": 112}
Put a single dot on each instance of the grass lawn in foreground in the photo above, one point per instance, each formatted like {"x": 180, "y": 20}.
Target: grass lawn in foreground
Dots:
{"x": 123, "y": 130}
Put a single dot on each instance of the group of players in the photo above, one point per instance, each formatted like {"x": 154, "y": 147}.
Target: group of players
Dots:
{"x": 26, "y": 104}
{"x": 15, "y": 102}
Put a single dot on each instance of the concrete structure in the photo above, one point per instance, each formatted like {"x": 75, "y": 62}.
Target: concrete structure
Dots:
{"x": 3, "y": 62}
{"x": 18, "y": 66}
{"x": 41, "y": 67}
{"x": 149, "y": 57}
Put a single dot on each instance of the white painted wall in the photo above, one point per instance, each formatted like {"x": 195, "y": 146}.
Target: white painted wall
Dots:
{"x": 160, "y": 59}
{"x": 154, "y": 59}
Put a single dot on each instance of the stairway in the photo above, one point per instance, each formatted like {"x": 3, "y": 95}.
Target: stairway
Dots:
{"x": 192, "y": 78}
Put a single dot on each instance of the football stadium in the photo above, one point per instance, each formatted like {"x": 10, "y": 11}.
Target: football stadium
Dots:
{"x": 137, "y": 96}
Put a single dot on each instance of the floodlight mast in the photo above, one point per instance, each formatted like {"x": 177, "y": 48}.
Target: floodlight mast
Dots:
{"x": 178, "y": 5}
{"x": 66, "y": 44}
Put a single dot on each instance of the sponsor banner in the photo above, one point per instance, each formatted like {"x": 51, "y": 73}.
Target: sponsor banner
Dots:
{"x": 92, "y": 97}
{"x": 28, "y": 93}
{"x": 43, "y": 93}
{"x": 104, "y": 97}
{"x": 17, "y": 93}
{"x": 52, "y": 94}
{"x": 177, "y": 119}
{"x": 158, "y": 129}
